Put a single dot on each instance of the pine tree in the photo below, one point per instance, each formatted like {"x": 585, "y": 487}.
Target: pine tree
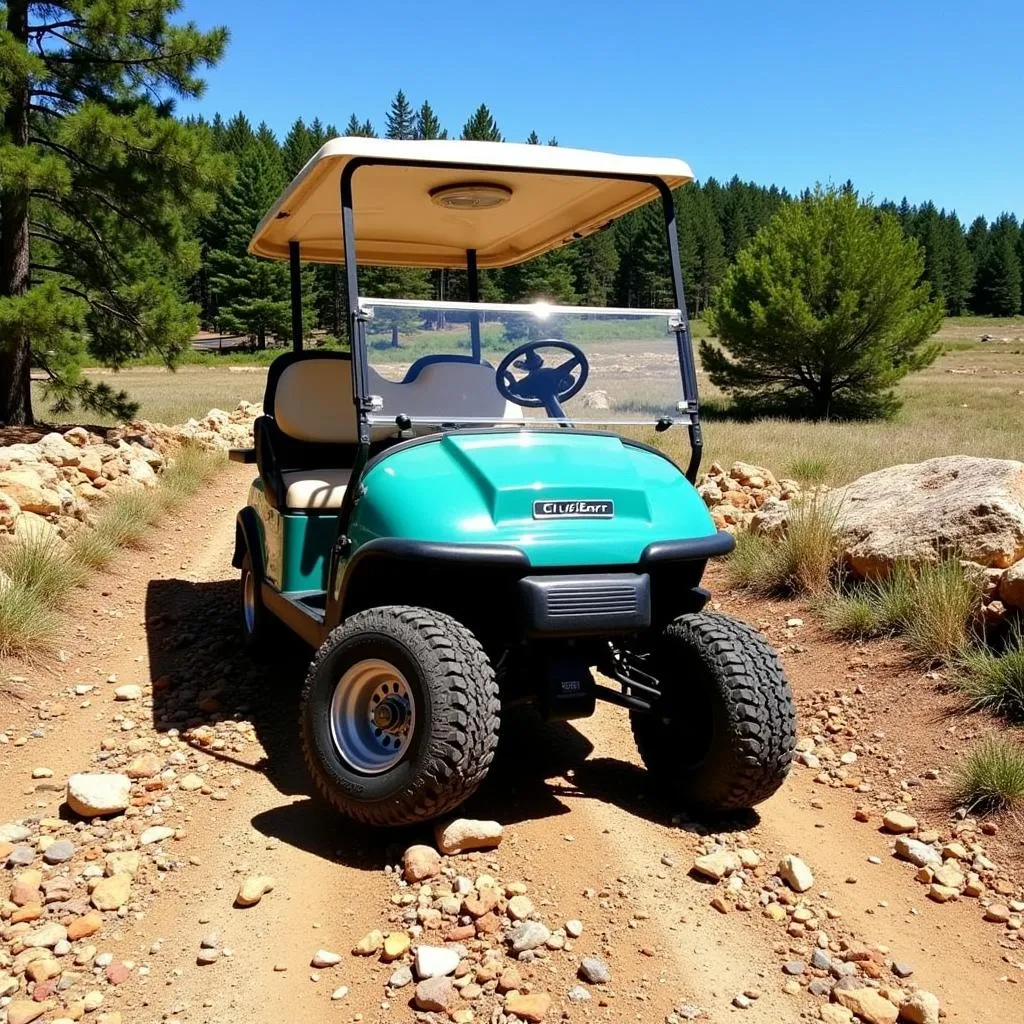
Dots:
{"x": 238, "y": 134}
{"x": 297, "y": 148}
{"x": 823, "y": 313}
{"x": 533, "y": 139}
{"x": 594, "y": 262}
{"x": 353, "y": 127}
{"x": 400, "y": 120}
{"x": 481, "y": 126}
{"x": 959, "y": 266}
{"x": 999, "y": 273}
{"x": 96, "y": 178}
{"x": 252, "y": 293}
{"x": 427, "y": 124}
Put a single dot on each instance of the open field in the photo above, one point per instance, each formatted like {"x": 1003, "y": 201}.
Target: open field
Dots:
{"x": 970, "y": 400}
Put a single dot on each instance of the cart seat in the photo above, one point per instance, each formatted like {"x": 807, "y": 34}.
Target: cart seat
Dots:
{"x": 311, "y": 489}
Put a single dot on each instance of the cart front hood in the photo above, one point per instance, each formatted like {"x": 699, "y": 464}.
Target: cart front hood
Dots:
{"x": 562, "y": 497}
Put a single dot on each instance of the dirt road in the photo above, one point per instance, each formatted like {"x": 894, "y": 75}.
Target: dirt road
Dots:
{"x": 581, "y": 832}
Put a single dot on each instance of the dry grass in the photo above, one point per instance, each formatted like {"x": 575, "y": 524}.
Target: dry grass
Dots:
{"x": 994, "y": 681}
{"x": 799, "y": 562}
{"x": 991, "y": 776}
{"x": 931, "y": 606}
{"x": 37, "y": 575}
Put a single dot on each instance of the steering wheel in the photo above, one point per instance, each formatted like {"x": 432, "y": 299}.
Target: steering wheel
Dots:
{"x": 543, "y": 387}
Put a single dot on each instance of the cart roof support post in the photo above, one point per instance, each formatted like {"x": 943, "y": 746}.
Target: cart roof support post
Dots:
{"x": 296, "y": 281}
{"x": 473, "y": 294}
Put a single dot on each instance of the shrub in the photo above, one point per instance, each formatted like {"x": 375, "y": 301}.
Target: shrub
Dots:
{"x": 26, "y": 623}
{"x": 126, "y": 518}
{"x": 801, "y": 561}
{"x": 93, "y": 550}
{"x": 946, "y": 596}
{"x": 991, "y": 776}
{"x": 994, "y": 682}
{"x": 42, "y": 566}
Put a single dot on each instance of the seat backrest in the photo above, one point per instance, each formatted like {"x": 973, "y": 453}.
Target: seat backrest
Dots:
{"x": 446, "y": 391}
{"x": 309, "y": 394}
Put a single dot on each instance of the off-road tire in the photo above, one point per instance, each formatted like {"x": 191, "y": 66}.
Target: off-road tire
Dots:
{"x": 718, "y": 673}
{"x": 265, "y": 625}
{"x": 457, "y": 708}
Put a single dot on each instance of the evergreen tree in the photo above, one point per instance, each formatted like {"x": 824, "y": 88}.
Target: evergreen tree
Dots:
{"x": 999, "y": 272}
{"x": 427, "y": 124}
{"x": 252, "y": 294}
{"x": 238, "y": 134}
{"x": 297, "y": 148}
{"x": 533, "y": 139}
{"x": 823, "y": 313}
{"x": 354, "y": 127}
{"x": 96, "y": 181}
{"x": 959, "y": 267}
{"x": 400, "y": 120}
{"x": 481, "y": 126}
{"x": 594, "y": 262}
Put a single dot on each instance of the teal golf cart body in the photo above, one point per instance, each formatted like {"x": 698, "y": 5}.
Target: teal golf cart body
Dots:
{"x": 465, "y": 509}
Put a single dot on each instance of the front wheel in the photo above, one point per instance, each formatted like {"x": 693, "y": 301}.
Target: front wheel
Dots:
{"x": 722, "y": 736}
{"x": 399, "y": 715}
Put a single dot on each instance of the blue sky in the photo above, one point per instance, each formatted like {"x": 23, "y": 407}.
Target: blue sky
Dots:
{"x": 923, "y": 98}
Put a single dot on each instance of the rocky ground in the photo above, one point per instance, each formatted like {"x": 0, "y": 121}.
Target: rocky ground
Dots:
{"x": 195, "y": 880}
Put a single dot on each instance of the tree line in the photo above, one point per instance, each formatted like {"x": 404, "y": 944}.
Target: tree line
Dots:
{"x": 977, "y": 270}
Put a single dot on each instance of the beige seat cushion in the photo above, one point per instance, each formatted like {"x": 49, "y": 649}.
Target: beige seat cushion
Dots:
{"x": 315, "y": 488}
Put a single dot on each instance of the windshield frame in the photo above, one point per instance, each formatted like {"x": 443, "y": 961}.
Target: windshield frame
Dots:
{"x": 357, "y": 324}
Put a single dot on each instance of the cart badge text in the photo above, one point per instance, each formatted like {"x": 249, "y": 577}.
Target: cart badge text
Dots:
{"x": 573, "y": 509}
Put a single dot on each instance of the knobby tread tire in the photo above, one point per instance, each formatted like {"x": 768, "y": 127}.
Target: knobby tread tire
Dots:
{"x": 460, "y": 715}
{"x": 755, "y": 718}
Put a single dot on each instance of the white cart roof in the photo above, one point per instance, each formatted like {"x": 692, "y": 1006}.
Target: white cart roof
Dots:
{"x": 409, "y": 215}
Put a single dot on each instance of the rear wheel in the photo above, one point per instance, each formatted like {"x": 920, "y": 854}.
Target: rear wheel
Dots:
{"x": 722, "y": 737}
{"x": 258, "y": 624}
{"x": 399, "y": 715}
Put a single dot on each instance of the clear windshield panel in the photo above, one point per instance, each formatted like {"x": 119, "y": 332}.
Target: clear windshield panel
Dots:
{"x": 446, "y": 363}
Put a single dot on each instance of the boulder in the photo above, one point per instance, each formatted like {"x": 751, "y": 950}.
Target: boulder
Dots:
{"x": 27, "y": 488}
{"x": 1011, "y": 583}
{"x": 9, "y": 512}
{"x": 467, "y": 834}
{"x": 959, "y": 503}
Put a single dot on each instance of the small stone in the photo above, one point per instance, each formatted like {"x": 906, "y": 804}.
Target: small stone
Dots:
{"x": 24, "y": 1011}
{"x": 59, "y": 852}
{"x": 594, "y": 971}
{"x": 949, "y": 875}
{"x": 942, "y": 893}
{"x": 820, "y": 960}
{"x": 205, "y": 957}
{"x": 574, "y": 928}
{"x": 999, "y": 913}
{"x": 122, "y": 862}
{"x": 435, "y": 994}
{"x": 795, "y": 873}
{"x": 435, "y": 961}
{"x": 341, "y": 992}
{"x": 401, "y": 977}
{"x": 717, "y": 865}
{"x": 155, "y": 834}
{"x": 867, "y": 1004}
{"x": 130, "y": 691}
{"x": 42, "y": 773}
{"x": 520, "y": 908}
{"x": 21, "y": 857}
{"x": 145, "y": 766}
{"x": 84, "y": 926}
{"x": 464, "y": 834}
{"x": 901, "y": 969}
{"x": 578, "y": 994}
{"x": 529, "y": 935}
{"x": 742, "y": 1002}
{"x": 45, "y": 937}
{"x": 98, "y": 794}
{"x": 325, "y": 958}
{"x": 794, "y": 967}
{"x": 111, "y": 893}
{"x": 919, "y": 854}
{"x": 190, "y": 782}
{"x": 420, "y": 863}
{"x": 530, "y": 1007}
{"x": 117, "y": 973}
{"x": 370, "y": 944}
{"x": 791, "y": 987}
{"x": 253, "y": 889}
{"x": 920, "y": 1008}
{"x": 395, "y": 945}
{"x": 898, "y": 822}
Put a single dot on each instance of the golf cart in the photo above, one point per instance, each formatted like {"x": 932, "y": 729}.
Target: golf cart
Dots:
{"x": 456, "y": 512}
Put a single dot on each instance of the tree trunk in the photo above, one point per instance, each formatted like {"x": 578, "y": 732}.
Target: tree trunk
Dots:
{"x": 15, "y": 381}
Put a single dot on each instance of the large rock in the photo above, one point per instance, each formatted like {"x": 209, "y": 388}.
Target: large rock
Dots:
{"x": 464, "y": 834}
{"x": 26, "y": 487}
{"x": 1011, "y": 586}
{"x": 972, "y": 506}
{"x": 868, "y": 1004}
{"x": 95, "y": 794}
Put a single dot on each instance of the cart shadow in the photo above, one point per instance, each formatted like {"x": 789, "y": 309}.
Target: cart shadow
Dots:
{"x": 202, "y": 675}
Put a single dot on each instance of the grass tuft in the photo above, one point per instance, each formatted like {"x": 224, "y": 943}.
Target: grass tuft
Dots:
{"x": 126, "y": 518}
{"x": 93, "y": 550}
{"x": 799, "y": 562}
{"x": 27, "y": 625}
{"x": 946, "y": 597}
{"x": 812, "y": 470}
{"x": 41, "y": 566}
{"x": 991, "y": 776}
{"x": 994, "y": 681}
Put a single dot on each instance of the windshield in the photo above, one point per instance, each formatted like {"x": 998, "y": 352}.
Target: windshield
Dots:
{"x": 494, "y": 363}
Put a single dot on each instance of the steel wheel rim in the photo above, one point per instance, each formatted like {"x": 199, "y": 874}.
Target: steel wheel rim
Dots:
{"x": 249, "y": 602}
{"x": 373, "y": 716}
